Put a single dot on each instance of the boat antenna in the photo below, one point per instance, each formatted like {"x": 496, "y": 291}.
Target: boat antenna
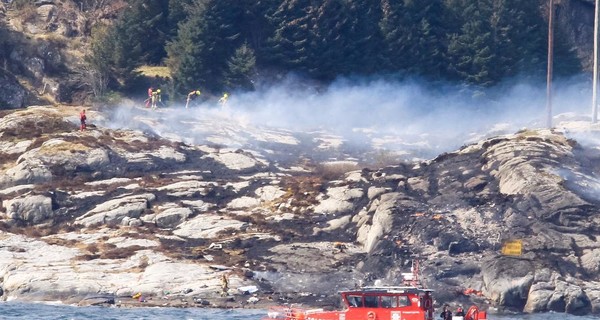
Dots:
{"x": 413, "y": 279}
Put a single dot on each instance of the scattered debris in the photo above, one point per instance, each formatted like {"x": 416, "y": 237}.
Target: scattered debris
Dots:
{"x": 215, "y": 246}
{"x": 340, "y": 246}
{"x": 248, "y": 289}
{"x": 219, "y": 267}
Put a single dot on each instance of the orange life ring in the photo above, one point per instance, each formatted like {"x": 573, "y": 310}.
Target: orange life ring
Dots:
{"x": 371, "y": 315}
{"x": 472, "y": 313}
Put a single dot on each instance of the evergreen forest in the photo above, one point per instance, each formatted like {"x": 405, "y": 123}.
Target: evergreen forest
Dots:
{"x": 221, "y": 45}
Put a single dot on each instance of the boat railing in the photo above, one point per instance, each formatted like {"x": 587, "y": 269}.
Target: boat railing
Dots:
{"x": 392, "y": 289}
{"x": 310, "y": 311}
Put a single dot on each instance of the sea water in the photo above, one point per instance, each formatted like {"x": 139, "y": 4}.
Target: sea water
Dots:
{"x": 10, "y": 310}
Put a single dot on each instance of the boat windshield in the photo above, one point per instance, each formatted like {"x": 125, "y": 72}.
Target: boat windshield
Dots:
{"x": 377, "y": 301}
{"x": 394, "y": 301}
{"x": 371, "y": 301}
{"x": 355, "y": 301}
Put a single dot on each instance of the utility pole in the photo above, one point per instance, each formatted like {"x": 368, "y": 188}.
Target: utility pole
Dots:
{"x": 595, "y": 72}
{"x": 550, "y": 64}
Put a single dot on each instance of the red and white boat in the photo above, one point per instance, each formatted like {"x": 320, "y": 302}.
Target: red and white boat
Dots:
{"x": 409, "y": 302}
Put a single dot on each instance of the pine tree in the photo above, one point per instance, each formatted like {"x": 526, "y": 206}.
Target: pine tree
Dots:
{"x": 198, "y": 55}
{"x": 364, "y": 54}
{"x": 393, "y": 31}
{"x": 178, "y": 12}
{"x": 184, "y": 53}
{"x": 142, "y": 27}
{"x": 101, "y": 48}
{"x": 133, "y": 39}
{"x": 256, "y": 26}
{"x": 519, "y": 38}
{"x": 241, "y": 68}
{"x": 330, "y": 46}
{"x": 222, "y": 37}
{"x": 470, "y": 51}
{"x": 126, "y": 47}
{"x": 113, "y": 53}
{"x": 289, "y": 46}
{"x": 99, "y": 62}
{"x": 425, "y": 37}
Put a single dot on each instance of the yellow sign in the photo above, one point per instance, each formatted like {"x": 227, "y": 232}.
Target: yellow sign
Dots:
{"x": 512, "y": 248}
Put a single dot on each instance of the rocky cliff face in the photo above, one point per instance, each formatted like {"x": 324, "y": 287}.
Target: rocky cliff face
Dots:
{"x": 44, "y": 44}
{"x": 100, "y": 215}
{"x": 11, "y": 92}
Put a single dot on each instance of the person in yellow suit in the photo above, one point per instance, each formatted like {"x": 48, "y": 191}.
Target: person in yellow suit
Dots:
{"x": 224, "y": 285}
{"x": 192, "y": 96}
{"x": 156, "y": 98}
{"x": 223, "y": 100}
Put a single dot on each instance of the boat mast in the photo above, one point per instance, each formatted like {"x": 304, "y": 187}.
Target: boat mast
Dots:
{"x": 595, "y": 72}
{"x": 550, "y": 63}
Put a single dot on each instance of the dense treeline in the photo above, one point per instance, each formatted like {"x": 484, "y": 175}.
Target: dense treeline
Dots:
{"x": 224, "y": 44}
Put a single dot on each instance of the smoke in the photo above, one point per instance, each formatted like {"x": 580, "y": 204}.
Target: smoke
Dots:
{"x": 418, "y": 118}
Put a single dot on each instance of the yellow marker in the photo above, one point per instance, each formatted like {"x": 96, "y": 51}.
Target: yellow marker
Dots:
{"x": 512, "y": 248}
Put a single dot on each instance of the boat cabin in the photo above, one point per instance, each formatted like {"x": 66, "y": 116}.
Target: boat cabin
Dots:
{"x": 397, "y": 303}
{"x": 370, "y": 303}
{"x": 411, "y": 302}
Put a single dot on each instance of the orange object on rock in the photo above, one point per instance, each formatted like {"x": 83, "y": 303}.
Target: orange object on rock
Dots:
{"x": 470, "y": 291}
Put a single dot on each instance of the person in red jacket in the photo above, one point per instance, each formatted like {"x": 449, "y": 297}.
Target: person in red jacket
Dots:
{"x": 148, "y": 101}
{"x": 459, "y": 312}
{"x": 83, "y": 119}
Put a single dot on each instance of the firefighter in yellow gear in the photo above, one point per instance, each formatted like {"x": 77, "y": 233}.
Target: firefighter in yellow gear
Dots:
{"x": 192, "y": 96}
{"x": 223, "y": 100}
{"x": 156, "y": 98}
{"x": 224, "y": 285}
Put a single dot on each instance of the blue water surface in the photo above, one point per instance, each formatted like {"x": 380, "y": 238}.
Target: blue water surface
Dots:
{"x": 62, "y": 312}
{"x": 12, "y": 310}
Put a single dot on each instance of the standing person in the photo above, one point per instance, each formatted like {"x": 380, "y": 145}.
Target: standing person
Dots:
{"x": 446, "y": 314}
{"x": 192, "y": 96}
{"x": 223, "y": 100}
{"x": 149, "y": 100}
{"x": 83, "y": 119}
{"x": 155, "y": 98}
{"x": 459, "y": 311}
{"x": 224, "y": 285}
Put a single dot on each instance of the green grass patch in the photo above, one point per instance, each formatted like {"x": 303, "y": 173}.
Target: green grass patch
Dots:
{"x": 154, "y": 71}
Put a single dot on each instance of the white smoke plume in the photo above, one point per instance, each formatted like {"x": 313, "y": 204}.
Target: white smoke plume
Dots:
{"x": 391, "y": 115}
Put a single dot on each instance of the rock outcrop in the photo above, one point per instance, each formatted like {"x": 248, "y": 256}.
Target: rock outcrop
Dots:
{"x": 12, "y": 94}
{"x": 101, "y": 214}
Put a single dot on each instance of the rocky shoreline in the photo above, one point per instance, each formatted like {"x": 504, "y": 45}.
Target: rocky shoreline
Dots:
{"x": 91, "y": 216}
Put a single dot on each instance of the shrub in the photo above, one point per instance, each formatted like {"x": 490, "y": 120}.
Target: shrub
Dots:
{"x": 92, "y": 248}
{"x": 26, "y": 8}
{"x": 60, "y": 242}
{"x": 87, "y": 257}
{"x": 110, "y": 98}
{"x": 32, "y": 232}
{"x": 120, "y": 253}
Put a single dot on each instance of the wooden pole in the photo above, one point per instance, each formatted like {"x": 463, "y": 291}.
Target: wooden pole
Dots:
{"x": 595, "y": 72}
{"x": 550, "y": 64}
